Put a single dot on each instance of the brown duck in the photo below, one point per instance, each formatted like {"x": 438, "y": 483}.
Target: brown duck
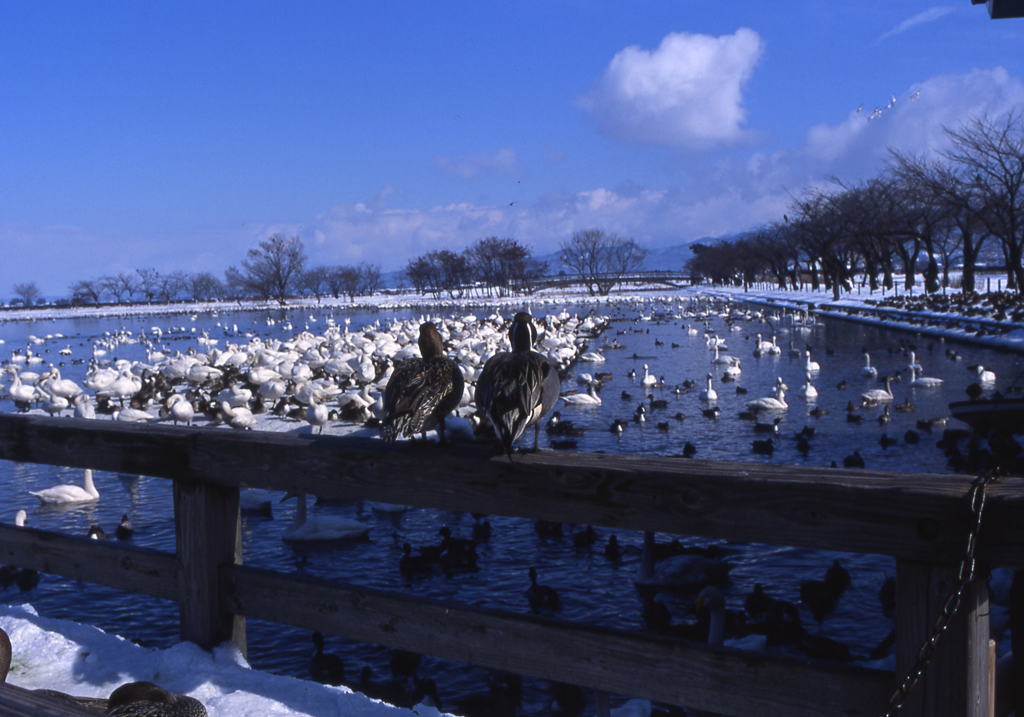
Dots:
{"x": 422, "y": 391}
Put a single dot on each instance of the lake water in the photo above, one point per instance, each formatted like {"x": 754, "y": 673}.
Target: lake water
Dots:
{"x": 592, "y": 588}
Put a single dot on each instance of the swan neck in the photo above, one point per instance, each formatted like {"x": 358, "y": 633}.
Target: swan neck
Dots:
{"x": 90, "y": 487}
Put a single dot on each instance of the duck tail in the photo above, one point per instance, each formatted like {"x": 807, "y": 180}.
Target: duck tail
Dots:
{"x": 388, "y": 431}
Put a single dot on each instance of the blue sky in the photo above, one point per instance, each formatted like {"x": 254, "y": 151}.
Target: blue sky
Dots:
{"x": 176, "y": 135}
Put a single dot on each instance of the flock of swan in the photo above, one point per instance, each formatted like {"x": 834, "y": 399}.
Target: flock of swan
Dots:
{"x": 338, "y": 379}
{"x": 335, "y": 380}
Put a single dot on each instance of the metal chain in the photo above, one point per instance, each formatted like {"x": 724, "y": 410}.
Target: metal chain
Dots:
{"x": 964, "y": 577}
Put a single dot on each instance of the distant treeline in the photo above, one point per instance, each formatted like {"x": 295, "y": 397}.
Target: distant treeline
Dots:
{"x": 273, "y": 270}
{"x": 927, "y": 215}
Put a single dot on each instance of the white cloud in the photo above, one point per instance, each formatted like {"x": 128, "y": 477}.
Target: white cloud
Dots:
{"x": 501, "y": 161}
{"x": 931, "y": 14}
{"x": 859, "y": 145}
{"x": 687, "y": 92}
{"x": 389, "y": 236}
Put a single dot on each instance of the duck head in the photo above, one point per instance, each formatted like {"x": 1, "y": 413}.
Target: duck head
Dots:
{"x": 430, "y": 341}
{"x": 522, "y": 333}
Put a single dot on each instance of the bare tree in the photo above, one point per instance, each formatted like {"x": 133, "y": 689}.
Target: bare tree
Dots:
{"x": 419, "y": 271}
{"x": 121, "y": 286}
{"x": 452, "y": 270}
{"x": 716, "y": 262}
{"x": 204, "y": 286}
{"x": 314, "y": 282}
{"x": 504, "y": 264}
{"x": 271, "y": 269}
{"x": 822, "y": 237}
{"x": 27, "y": 292}
{"x": 962, "y": 205}
{"x": 601, "y": 259}
{"x": 148, "y": 283}
{"x": 172, "y": 285}
{"x": 991, "y": 153}
{"x": 86, "y": 291}
{"x": 369, "y": 277}
{"x": 350, "y": 281}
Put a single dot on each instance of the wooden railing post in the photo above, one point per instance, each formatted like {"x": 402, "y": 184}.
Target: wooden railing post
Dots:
{"x": 956, "y": 681}
{"x": 209, "y": 536}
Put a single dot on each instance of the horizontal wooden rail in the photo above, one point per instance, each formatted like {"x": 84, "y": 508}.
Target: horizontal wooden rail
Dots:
{"x": 136, "y": 570}
{"x": 911, "y": 516}
{"x": 672, "y": 671}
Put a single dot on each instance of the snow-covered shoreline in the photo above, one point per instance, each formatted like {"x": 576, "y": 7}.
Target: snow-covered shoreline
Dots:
{"x": 85, "y": 661}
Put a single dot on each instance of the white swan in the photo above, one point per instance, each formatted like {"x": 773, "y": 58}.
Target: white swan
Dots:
{"x": 590, "y": 398}
{"x": 761, "y": 345}
{"x": 179, "y": 408}
{"x": 771, "y": 403}
{"x": 592, "y": 357}
{"x": 708, "y": 394}
{"x": 69, "y": 492}
{"x": 317, "y": 416}
{"x": 811, "y": 366}
{"x": 868, "y": 370}
{"x": 878, "y": 395}
{"x": 984, "y": 375}
{"x": 23, "y": 395}
{"x": 307, "y": 528}
{"x": 914, "y": 365}
{"x": 649, "y": 378}
{"x": 62, "y": 387}
{"x": 721, "y": 358}
{"x": 84, "y": 407}
{"x": 132, "y": 415}
{"x": 808, "y": 390}
{"x": 924, "y": 381}
{"x": 240, "y": 418}
{"x": 733, "y": 372}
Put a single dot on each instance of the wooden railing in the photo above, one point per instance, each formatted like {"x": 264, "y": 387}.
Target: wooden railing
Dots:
{"x": 921, "y": 520}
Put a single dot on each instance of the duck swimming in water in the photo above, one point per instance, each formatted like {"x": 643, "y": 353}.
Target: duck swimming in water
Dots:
{"x": 517, "y": 388}
{"x": 422, "y": 391}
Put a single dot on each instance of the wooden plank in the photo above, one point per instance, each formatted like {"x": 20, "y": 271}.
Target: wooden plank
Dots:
{"x": 911, "y": 516}
{"x": 209, "y": 537}
{"x": 719, "y": 680}
{"x": 17, "y": 702}
{"x": 135, "y": 570}
{"x": 956, "y": 681}
{"x": 1015, "y": 700}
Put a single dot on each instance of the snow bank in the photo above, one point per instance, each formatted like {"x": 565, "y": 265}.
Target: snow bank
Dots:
{"x": 86, "y": 661}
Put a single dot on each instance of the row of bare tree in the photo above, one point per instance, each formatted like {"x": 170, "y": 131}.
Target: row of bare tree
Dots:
{"x": 504, "y": 266}
{"x": 928, "y": 215}
{"x": 275, "y": 269}
{"x": 491, "y": 265}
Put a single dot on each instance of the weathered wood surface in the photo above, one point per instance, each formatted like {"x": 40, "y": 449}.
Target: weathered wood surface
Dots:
{"x": 209, "y": 537}
{"x": 956, "y": 681}
{"x": 18, "y": 702}
{"x": 719, "y": 680}
{"x": 135, "y": 570}
{"x": 911, "y": 516}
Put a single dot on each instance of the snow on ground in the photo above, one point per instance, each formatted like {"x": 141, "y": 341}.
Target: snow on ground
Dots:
{"x": 939, "y": 325}
{"x": 85, "y": 661}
